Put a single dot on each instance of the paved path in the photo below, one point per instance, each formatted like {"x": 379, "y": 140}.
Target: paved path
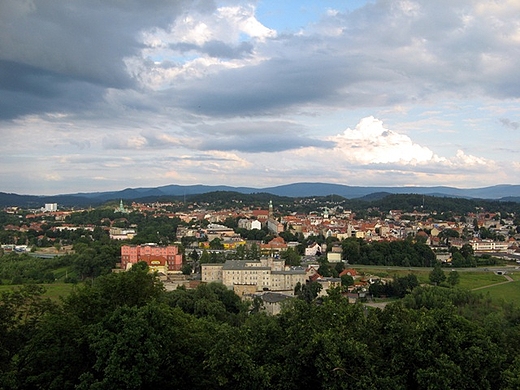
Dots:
{"x": 509, "y": 279}
{"x": 380, "y": 305}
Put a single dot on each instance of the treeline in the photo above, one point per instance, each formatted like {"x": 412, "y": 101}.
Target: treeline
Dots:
{"x": 445, "y": 207}
{"x": 125, "y": 332}
{"x": 440, "y": 204}
{"x": 89, "y": 259}
{"x": 405, "y": 253}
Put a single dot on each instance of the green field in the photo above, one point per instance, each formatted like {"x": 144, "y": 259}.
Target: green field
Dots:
{"x": 53, "y": 291}
{"x": 471, "y": 280}
{"x": 509, "y": 292}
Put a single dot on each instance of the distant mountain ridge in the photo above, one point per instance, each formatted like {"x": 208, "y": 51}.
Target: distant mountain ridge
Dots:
{"x": 504, "y": 192}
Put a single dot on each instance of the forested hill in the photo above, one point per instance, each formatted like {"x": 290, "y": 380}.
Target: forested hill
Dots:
{"x": 381, "y": 202}
{"x": 296, "y": 190}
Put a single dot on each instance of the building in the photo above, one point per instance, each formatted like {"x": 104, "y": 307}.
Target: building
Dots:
{"x": 272, "y": 301}
{"x": 117, "y": 233}
{"x": 275, "y": 246}
{"x": 249, "y": 224}
{"x": 163, "y": 259}
{"x": 50, "y": 207}
{"x": 264, "y": 275}
{"x": 274, "y": 226}
{"x": 489, "y": 246}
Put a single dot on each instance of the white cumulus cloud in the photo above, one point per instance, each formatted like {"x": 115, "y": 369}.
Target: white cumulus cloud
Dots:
{"x": 371, "y": 143}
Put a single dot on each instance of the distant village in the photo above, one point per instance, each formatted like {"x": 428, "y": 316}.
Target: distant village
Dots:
{"x": 269, "y": 275}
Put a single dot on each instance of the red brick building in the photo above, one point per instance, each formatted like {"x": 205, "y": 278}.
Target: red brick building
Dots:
{"x": 167, "y": 257}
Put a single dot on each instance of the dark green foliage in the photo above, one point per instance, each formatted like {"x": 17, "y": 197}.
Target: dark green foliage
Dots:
{"x": 398, "y": 287}
{"x": 437, "y": 275}
{"x": 208, "y": 300}
{"x": 291, "y": 257}
{"x": 347, "y": 280}
{"x": 463, "y": 257}
{"x": 125, "y": 332}
{"x": 396, "y": 253}
{"x": 23, "y": 268}
{"x": 453, "y": 278}
{"x": 308, "y": 291}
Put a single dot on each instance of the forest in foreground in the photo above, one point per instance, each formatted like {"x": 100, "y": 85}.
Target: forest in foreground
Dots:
{"x": 124, "y": 331}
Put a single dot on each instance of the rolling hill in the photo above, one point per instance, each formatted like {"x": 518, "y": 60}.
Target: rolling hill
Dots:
{"x": 499, "y": 192}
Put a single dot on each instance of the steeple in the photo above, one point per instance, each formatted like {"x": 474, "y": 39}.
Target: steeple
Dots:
{"x": 270, "y": 209}
{"x": 121, "y": 207}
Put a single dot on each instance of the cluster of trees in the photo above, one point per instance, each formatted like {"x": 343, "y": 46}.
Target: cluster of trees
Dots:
{"x": 463, "y": 257}
{"x": 89, "y": 260}
{"x": 21, "y": 268}
{"x": 125, "y": 331}
{"x": 406, "y": 253}
{"x": 398, "y": 287}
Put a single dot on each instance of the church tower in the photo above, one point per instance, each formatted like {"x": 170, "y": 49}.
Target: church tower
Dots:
{"x": 270, "y": 209}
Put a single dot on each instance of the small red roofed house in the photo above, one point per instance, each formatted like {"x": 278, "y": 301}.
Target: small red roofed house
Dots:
{"x": 349, "y": 271}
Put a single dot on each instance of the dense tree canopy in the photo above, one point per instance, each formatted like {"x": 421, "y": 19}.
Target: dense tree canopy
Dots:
{"x": 405, "y": 253}
{"x": 125, "y": 331}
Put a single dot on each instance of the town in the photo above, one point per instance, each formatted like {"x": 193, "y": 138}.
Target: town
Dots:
{"x": 261, "y": 293}
{"x": 260, "y": 251}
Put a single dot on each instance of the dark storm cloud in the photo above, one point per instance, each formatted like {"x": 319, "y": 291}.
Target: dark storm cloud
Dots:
{"x": 48, "y": 48}
{"x": 27, "y": 89}
{"x": 252, "y": 137}
{"x": 269, "y": 87}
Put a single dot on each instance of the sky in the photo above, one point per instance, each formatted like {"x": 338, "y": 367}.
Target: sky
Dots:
{"x": 99, "y": 95}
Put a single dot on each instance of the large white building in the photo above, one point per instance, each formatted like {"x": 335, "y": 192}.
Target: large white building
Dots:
{"x": 488, "y": 246}
{"x": 50, "y": 207}
{"x": 263, "y": 275}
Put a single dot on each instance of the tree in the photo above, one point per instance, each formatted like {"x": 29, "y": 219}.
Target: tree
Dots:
{"x": 291, "y": 257}
{"x": 194, "y": 255}
{"x": 339, "y": 267}
{"x": 216, "y": 243}
{"x": 453, "y": 278}
{"x": 186, "y": 269}
{"x": 347, "y": 280}
{"x": 437, "y": 275}
{"x": 254, "y": 252}
{"x": 325, "y": 269}
{"x": 205, "y": 257}
{"x": 308, "y": 292}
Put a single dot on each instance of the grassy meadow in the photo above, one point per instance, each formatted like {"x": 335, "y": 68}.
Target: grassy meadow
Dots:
{"x": 53, "y": 291}
{"x": 485, "y": 282}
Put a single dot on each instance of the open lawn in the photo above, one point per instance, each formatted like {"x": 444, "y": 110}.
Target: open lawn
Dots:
{"x": 471, "y": 280}
{"x": 485, "y": 281}
{"x": 508, "y": 292}
{"x": 53, "y": 291}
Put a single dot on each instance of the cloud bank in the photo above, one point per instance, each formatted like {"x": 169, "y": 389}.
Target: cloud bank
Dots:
{"x": 144, "y": 92}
